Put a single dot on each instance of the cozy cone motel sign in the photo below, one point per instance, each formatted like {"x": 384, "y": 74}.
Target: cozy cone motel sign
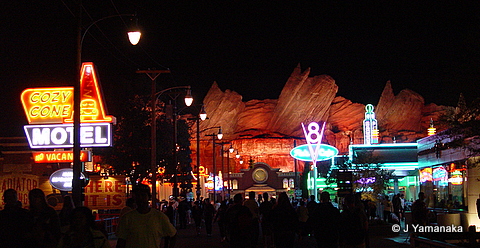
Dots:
{"x": 50, "y": 114}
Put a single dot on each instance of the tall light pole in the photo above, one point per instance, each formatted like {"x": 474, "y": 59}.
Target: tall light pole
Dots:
{"x": 153, "y": 74}
{"x": 221, "y": 144}
{"x": 215, "y": 136}
{"x": 201, "y": 116}
{"x": 77, "y": 164}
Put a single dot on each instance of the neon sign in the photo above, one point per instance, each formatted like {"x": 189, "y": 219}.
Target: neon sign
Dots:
{"x": 61, "y": 135}
{"x": 55, "y": 104}
{"x": 314, "y": 140}
{"x": 366, "y": 180}
{"x": 303, "y": 152}
{"x": 426, "y": 175}
{"x": 62, "y": 179}
{"x": 456, "y": 177}
{"x": 370, "y": 128}
{"x": 60, "y": 157}
{"x": 439, "y": 173}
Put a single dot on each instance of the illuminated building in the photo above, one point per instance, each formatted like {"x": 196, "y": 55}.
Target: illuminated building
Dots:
{"x": 448, "y": 178}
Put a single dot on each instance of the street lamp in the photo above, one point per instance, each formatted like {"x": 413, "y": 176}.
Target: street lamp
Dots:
{"x": 77, "y": 164}
{"x": 201, "y": 116}
{"x": 153, "y": 74}
{"x": 215, "y": 136}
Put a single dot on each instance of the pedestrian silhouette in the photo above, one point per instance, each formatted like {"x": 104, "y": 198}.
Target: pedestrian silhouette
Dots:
{"x": 82, "y": 231}
{"x": 354, "y": 224}
{"x": 16, "y": 223}
{"x": 183, "y": 207}
{"x": 239, "y": 224}
{"x": 208, "y": 214}
{"x": 284, "y": 222}
{"x": 420, "y": 211}
{"x": 197, "y": 215}
{"x": 144, "y": 226}
{"x": 264, "y": 209}
{"x": 324, "y": 221}
{"x": 221, "y": 218}
{"x": 46, "y": 225}
{"x": 252, "y": 205}
{"x": 65, "y": 213}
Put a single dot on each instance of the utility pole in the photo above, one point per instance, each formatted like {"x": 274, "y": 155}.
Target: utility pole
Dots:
{"x": 153, "y": 74}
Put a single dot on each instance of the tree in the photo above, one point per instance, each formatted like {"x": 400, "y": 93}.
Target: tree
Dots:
{"x": 131, "y": 149}
{"x": 464, "y": 129}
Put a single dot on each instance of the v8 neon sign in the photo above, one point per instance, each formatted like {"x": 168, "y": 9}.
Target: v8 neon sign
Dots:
{"x": 314, "y": 139}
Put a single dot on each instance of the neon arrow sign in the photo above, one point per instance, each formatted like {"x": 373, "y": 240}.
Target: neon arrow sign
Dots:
{"x": 314, "y": 150}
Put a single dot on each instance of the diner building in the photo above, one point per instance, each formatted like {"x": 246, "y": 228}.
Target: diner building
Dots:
{"x": 449, "y": 177}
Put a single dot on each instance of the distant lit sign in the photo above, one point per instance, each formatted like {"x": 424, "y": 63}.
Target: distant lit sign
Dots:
{"x": 203, "y": 171}
{"x": 426, "y": 175}
{"x": 61, "y": 135}
{"x": 62, "y": 179}
{"x": 439, "y": 173}
{"x": 55, "y": 104}
{"x": 366, "y": 180}
{"x": 324, "y": 152}
{"x": 456, "y": 177}
{"x": 218, "y": 183}
{"x": 60, "y": 156}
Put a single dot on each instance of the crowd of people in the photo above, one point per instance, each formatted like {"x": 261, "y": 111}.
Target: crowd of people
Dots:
{"x": 260, "y": 220}
{"x": 41, "y": 226}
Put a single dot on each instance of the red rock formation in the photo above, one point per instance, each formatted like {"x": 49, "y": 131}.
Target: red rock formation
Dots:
{"x": 303, "y": 99}
{"x": 261, "y": 129}
{"x": 223, "y": 109}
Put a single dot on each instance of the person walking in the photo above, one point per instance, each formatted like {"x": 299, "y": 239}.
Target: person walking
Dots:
{"x": 264, "y": 210}
{"x": 82, "y": 231}
{"x": 354, "y": 225}
{"x": 16, "y": 223}
{"x": 420, "y": 211}
{"x": 46, "y": 225}
{"x": 208, "y": 214}
{"x": 65, "y": 213}
{"x": 197, "y": 215}
{"x": 324, "y": 221}
{"x": 239, "y": 220}
{"x": 144, "y": 227}
{"x": 387, "y": 209}
{"x": 252, "y": 205}
{"x": 183, "y": 207}
{"x": 284, "y": 222}
{"x": 220, "y": 218}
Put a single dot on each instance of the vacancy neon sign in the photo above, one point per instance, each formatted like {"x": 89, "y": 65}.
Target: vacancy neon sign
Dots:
{"x": 60, "y": 156}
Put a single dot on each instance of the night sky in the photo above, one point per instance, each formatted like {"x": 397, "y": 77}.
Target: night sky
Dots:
{"x": 248, "y": 47}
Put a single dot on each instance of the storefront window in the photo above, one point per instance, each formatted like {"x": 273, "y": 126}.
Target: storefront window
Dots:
{"x": 235, "y": 184}
{"x": 444, "y": 189}
{"x": 285, "y": 183}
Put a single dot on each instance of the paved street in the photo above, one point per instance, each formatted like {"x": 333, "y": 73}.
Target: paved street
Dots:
{"x": 380, "y": 236}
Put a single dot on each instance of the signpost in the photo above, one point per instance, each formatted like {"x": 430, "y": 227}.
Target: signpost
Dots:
{"x": 50, "y": 113}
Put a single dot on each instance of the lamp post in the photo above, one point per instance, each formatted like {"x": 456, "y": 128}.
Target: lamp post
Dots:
{"x": 201, "y": 116}
{"x": 215, "y": 136}
{"x": 77, "y": 164}
{"x": 153, "y": 74}
{"x": 223, "y": 151}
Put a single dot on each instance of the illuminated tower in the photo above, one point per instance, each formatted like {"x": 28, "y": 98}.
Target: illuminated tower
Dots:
{"x": 370, "y": 128}
{"x": 431, "y": 130}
